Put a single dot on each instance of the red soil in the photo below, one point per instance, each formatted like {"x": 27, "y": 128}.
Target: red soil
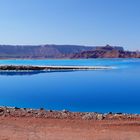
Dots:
{"x": 30, "y": 128}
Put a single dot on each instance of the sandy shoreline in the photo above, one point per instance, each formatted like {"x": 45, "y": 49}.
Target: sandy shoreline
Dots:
{"x": 64, "y": 114}
{"x": 28, "y": 124}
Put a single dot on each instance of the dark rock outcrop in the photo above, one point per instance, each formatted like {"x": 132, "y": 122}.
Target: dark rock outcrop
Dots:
{"x": 107, "y": 52}
{"x": 48, "y": 68}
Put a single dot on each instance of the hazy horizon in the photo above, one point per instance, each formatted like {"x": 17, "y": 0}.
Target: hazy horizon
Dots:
{"x": 71, "y": 22}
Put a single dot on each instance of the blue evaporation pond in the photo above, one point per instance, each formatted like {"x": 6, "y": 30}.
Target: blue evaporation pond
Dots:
{"x": 114, "y": 90}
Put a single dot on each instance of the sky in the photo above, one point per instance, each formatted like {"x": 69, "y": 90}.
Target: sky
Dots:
{"x": 78, "y": 22}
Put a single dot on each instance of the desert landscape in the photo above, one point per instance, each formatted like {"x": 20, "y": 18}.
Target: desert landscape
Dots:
{"x": 28, "y": 124}
{"x": 69, "y": 69}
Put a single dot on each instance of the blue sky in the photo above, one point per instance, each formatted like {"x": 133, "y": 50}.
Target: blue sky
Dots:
{"x": 86, "y": 22}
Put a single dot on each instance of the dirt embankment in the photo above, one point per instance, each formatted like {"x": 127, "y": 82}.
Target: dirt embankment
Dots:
{"x": 28, "y": 124}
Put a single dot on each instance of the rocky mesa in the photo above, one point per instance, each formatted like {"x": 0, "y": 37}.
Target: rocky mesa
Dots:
{"x": 107, "y": 52}
{"x": 64, "y": 51}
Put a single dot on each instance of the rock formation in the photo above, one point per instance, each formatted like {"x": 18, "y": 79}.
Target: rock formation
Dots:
{"x": 64, "y": 51}
{"x": 107, "y": 52}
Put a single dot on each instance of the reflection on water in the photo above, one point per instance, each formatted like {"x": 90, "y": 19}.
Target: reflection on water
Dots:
{"x": 20, "y": 73}
{"x": 23, "y": 73}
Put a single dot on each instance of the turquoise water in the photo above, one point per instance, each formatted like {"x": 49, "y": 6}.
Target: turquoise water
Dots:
{"x": 114, "y": 90}
{"x": 74, "y": 62}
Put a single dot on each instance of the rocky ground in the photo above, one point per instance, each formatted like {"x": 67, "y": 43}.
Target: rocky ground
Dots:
{"x": 64, "y": 114}
{"x": 28, "y": 124}
{"x": 24, "y": 68}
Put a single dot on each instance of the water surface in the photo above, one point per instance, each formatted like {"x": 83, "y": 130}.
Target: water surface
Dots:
{"x": 116, "y": 90}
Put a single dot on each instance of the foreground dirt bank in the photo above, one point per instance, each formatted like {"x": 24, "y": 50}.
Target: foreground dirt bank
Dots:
{"x": 20, "y": 128}
{"x": 28, "y": 124}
